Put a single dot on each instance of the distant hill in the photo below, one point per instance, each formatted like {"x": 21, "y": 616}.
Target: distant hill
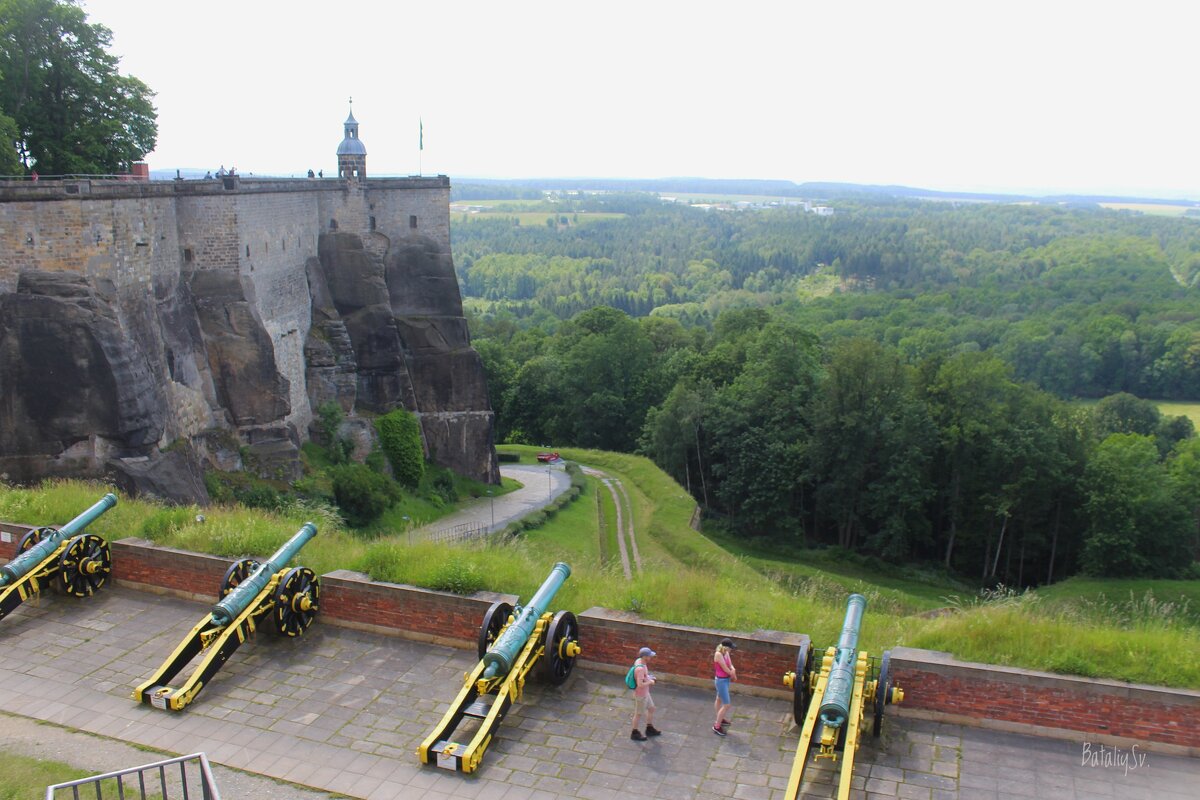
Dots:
{"x": 809, "y": 190}
{"x": 812, "y": 190}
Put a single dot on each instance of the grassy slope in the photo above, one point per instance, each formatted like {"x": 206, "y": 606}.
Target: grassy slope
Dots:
{"x": 691, "y": 579}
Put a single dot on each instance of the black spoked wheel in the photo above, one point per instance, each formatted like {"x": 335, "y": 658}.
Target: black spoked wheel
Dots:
{"x": 297, "y": 600}
{"x": 493, "y": 621}
{"x": 883, "y": 692}
{"x": 31, "y": 538}
{"x": 238, "y": 571}
{"x": 801, "y": 690}
{"x": 562, "y": 647}
{"x": 84, "y": 566}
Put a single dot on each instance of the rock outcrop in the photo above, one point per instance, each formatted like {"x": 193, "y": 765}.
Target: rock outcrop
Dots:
{"x": 402, "y": 319}
{"x": 192, "y": 337}
{"x": 131, "y": 385}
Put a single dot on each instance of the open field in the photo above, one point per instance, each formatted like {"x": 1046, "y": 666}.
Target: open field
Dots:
{"x": 692, "y": 197}
{"x": 1172, "y": 408}
{"x": 1159, "y": 209}
{"x": 1093, "y": 628}
{"x": 1169, "y": 408}
{"x": 539, "y": 217}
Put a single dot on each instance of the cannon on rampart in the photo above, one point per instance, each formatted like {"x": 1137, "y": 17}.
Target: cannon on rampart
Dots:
{"x": 249, "y": 591}
{"x": 830, "y": 704}
{"x": 66, "y": 558}
{"x": 511, "y": 642}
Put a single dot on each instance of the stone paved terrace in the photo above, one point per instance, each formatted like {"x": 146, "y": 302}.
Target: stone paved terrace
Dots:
{"x": 344, "y": 711}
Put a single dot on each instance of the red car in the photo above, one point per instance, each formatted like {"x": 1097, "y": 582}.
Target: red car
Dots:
{"x": 548, "y": 458}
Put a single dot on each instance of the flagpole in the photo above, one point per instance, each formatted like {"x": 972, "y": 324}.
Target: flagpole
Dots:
{"x": 421, "y": 147}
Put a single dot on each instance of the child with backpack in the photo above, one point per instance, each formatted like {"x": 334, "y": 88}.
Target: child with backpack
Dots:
{"x": 640, "y": 680}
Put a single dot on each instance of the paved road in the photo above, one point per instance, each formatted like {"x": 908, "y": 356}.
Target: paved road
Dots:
{"x": 344, "y": 711}
{"x": 540, "y": 485}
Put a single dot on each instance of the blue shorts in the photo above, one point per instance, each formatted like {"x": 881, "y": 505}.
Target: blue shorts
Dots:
{"x": 722, "y": 685}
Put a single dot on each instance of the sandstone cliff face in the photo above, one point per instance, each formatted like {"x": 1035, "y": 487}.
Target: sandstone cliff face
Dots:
{"x": 147, "y": 375}
{"x": 402, "y": 320}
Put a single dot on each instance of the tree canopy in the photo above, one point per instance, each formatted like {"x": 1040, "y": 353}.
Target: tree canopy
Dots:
{"x": 920, "y": 402}
{"x": 72, "y": 111}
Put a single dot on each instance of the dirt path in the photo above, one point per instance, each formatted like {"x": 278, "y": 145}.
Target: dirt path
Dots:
{"x": 625, "y": 529}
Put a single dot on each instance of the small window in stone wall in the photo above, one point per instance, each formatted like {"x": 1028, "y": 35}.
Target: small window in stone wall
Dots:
{"x": 412, "y": 221}
{"x": 333, "y": 224}
{"x": 247, "y": 251}
{"x": 187, "y": 255}
{"x": 372, "y": 221}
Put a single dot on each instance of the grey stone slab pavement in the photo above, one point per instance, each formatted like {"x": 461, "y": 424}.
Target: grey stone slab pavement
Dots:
{"x": 343, "y": 712}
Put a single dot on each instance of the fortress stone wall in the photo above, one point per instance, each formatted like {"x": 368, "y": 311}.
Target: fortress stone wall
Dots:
{"x": 220, "y": 313}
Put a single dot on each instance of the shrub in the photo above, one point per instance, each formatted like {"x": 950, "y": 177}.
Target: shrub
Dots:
{"x": 400, "y": 436}
{"x": 508, "y": 458}
{"x": 459, "y": 577}
{"x": 443, "y": 486}
{"x": 329, "y": 419}
{"x": 376, "y": 460}
{"x": 258, "y": 496}
{"x": 361, "y": 493}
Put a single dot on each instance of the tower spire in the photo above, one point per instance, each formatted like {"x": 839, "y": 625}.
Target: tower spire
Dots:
{"x": 352, "y": 153}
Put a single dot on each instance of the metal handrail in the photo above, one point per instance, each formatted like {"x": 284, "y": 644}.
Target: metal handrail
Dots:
{"x": 208, "y": 786}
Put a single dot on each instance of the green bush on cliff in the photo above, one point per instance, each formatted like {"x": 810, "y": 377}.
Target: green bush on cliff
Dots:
{"x": 361, "y": 493}
{"x": 400, "y": 435}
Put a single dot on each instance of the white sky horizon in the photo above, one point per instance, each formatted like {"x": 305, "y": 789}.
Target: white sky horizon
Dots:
{"x": 1021, "y": 97}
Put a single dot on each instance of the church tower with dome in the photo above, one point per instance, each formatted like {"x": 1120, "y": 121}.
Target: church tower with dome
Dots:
{"x": 352, "y": 153}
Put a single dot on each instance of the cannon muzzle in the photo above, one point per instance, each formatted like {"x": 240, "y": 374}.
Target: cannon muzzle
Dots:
{"x": 244, "y": 593}
{"x": 836, "y": 705}
{"x": 500, "y": 656}
{"x": 31, "y": 558}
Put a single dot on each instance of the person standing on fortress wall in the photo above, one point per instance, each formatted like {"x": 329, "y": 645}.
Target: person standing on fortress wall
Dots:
{"x": 221, "y": 172}
{"x": 311, "y": 174}
{"x": 643, "y": 703}
{"x": 723, "y": 673}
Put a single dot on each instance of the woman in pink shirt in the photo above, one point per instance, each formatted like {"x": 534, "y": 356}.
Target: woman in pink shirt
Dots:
{"x": 723, "y": 673}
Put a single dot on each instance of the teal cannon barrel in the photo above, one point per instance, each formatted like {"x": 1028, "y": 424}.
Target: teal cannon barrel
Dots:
{"x": 31, "y": 558}
{"x": 840, "y": 687}
{"x": 500, "y": 656}
{"x": 244, "y": 593}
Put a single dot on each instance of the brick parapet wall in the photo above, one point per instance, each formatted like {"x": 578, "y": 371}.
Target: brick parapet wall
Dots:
{"x": 613, "y": 638}
{"x": 10, "y": 536}
{"x": 144, "y": 565}
{"x": 936, "y": 685}
{"x": 353, "y": 600}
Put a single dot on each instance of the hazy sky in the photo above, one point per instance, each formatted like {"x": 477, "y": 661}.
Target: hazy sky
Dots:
{"x": 1044, "y": 96}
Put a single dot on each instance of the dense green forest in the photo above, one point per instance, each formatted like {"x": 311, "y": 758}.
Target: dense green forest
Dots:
{"x": 897, "y": 379}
